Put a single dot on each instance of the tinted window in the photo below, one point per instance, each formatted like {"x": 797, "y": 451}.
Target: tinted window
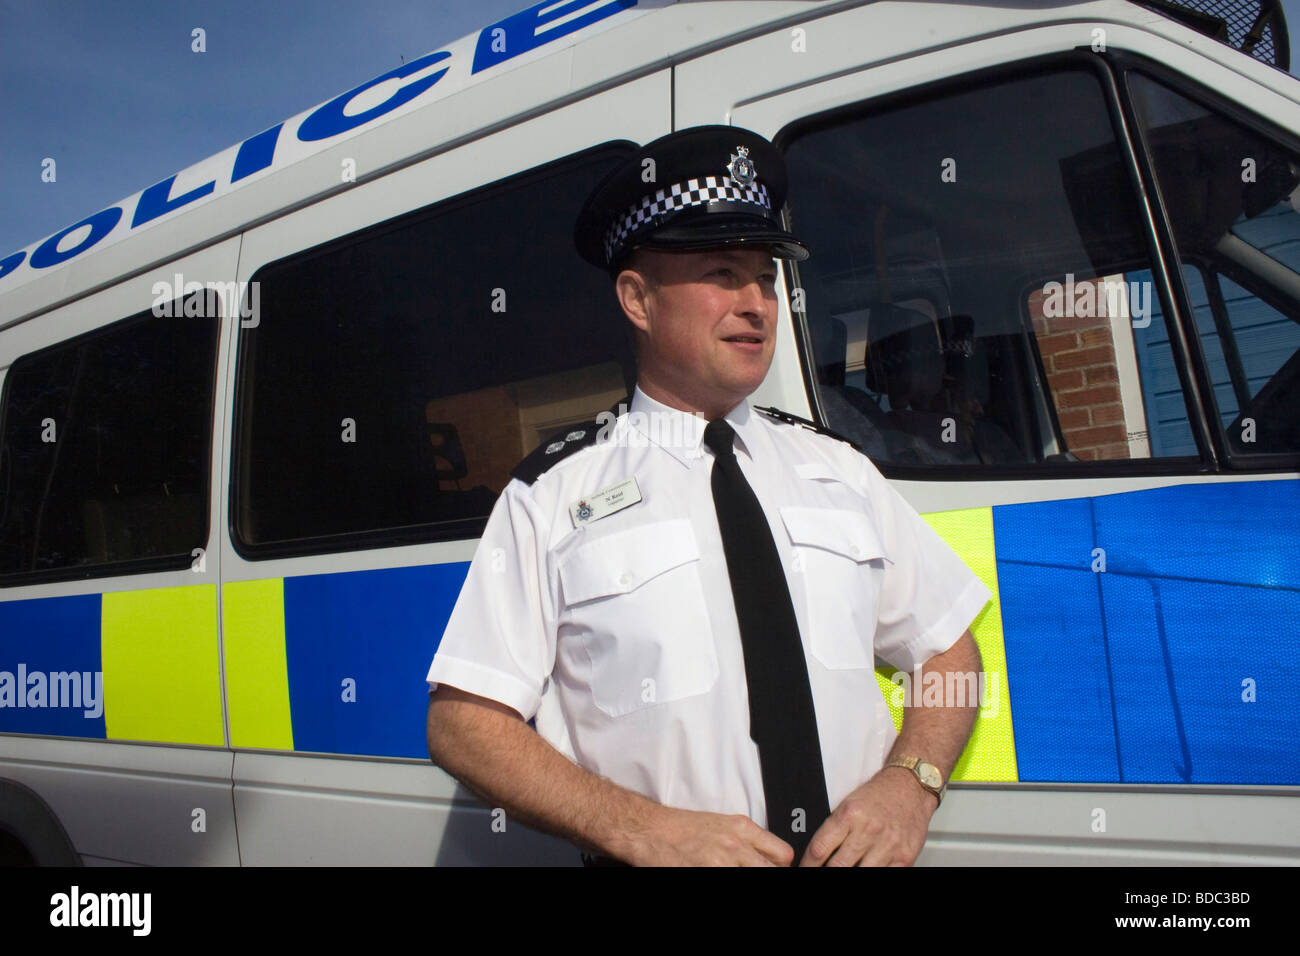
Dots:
{"x": 1232, "y": 197}
{"x": 104, "y": 463}
{"x": 395, "y": 377}
{"x": 977, "y": 293}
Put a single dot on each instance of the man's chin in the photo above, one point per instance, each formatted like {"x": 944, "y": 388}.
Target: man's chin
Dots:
{"x": 741, "y": 389}
{"x": 749, "y": 379}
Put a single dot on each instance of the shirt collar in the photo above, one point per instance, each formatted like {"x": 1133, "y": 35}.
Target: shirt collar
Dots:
{"x": 681, "y": 433}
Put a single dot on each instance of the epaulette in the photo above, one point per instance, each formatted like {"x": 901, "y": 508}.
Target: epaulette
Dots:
{"x": 556, "y": 448}
{"x": 563, "y": 444}
{"x": 790, "y": 419}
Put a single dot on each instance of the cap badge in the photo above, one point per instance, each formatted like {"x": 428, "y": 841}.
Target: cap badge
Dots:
{"x": 741, "y": 167}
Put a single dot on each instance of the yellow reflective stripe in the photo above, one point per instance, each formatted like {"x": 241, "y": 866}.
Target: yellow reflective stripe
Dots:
{"x": 257, "y": 670}
{"x": 159, "y": 650}
{"x": 991, "y": 753}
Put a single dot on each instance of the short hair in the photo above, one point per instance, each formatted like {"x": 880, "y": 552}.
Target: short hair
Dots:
{"x": 638, "y": 260}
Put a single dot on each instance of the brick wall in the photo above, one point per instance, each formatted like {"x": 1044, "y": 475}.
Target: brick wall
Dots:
{"x": 1079, "y": 358}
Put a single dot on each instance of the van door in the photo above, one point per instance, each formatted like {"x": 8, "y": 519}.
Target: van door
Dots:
{"x": 994, "y": 312}
{"x": 415, "y": 336}
{"x": 109, "y": 566}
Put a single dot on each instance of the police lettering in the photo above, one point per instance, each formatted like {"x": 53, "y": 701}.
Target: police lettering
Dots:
{"x": 522, "y": 32}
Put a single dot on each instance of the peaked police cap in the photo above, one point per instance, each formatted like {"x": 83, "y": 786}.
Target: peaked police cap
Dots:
{"x": 697, "y": 188}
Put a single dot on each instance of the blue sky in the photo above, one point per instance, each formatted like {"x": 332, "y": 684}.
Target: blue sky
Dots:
{"x": 111, "y": 90}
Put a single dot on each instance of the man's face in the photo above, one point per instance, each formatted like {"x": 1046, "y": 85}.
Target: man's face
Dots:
{"x": 708, "y": 326}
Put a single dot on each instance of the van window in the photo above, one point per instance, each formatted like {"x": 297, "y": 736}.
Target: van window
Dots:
{"x": 396, "y": 376}
{"x": 1110, "y": 371}
{"x": 978, "y": 291}
{"x": 1231, "y": 195}
{"x": 104, "y": 460}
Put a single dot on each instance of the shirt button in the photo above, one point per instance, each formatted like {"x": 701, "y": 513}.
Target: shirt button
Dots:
{"x": 624, "y": 580}
{"x": 855, "y": 550}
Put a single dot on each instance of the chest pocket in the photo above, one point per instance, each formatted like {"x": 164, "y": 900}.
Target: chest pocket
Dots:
{"x": 841, "y": 562}
{"x": 636, "y": 601}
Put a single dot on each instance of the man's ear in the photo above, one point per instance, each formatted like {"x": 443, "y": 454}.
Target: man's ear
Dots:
{"x": 633, "y": 291}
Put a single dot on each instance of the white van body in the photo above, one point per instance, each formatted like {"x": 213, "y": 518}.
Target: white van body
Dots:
{"x": 224, "y": 735}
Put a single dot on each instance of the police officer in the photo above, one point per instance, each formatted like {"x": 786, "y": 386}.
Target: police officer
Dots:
{"x": 688, "y": 597}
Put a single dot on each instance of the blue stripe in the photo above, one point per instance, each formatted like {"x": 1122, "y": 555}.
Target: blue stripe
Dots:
{"x": 378, "y": 629}
{"x": 50, "y": 635}
{"x": 1144, "y": 673}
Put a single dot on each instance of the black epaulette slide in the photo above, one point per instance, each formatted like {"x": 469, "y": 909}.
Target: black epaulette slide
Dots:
{"x": 556, "y": 448}
{"x": 790, "y": 419}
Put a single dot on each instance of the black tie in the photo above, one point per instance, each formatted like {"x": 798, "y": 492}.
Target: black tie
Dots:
{"x": 782, "y": 721}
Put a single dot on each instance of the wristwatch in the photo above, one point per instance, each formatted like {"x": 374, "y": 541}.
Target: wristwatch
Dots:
{"x": 926, "y": 773}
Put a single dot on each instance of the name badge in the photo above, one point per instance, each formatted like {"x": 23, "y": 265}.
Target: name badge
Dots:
{"x": 605, "y": 502}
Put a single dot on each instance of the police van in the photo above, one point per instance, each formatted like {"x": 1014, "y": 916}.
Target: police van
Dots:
{"x": 253, "y": 418}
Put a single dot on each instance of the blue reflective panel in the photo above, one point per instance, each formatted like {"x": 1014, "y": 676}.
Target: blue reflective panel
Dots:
{"x": 44, "y": 637}
{"x": 379, "y": 630}
{"x": 1175, "y": 664}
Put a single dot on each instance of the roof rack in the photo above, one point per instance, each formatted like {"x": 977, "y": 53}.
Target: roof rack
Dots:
{"x": 1255, "y": 27}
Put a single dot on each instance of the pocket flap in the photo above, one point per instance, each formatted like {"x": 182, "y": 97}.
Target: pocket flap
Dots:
{"x": 622, "y": 562}
{"x": 848, "y": 533}
{"x": 817, "y": 471}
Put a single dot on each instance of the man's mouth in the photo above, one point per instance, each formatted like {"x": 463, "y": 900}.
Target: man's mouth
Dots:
{"x": 753, "y": 339}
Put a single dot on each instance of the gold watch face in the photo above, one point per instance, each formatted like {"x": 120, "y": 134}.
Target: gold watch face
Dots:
{"x": 930, "y": 775}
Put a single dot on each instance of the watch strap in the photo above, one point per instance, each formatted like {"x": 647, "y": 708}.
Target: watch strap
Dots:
{"x": 912, "y": 764}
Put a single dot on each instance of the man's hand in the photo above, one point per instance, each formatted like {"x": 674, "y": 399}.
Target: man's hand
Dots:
{"x": 490, "y": 749}
{"x": 882, "y": 823}
{"x": 692, "y": 838}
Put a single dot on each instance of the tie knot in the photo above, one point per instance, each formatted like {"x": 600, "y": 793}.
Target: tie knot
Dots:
{"x": 718, "y": 435}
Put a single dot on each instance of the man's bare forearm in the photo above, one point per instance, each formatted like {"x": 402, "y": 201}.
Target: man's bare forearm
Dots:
{"x": 939, "y": 734}
{"x": 489, "y": 748}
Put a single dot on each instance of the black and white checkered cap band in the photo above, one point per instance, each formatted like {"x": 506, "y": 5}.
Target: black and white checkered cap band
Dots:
{"x": 693, "y": 192}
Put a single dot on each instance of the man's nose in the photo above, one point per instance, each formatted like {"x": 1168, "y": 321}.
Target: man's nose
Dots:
{"x": 753, "y": 300}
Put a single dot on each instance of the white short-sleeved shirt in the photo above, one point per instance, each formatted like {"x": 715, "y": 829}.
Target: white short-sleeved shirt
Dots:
{"x": 619, "y": 634}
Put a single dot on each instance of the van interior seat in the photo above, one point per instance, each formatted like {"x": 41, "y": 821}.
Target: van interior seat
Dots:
{"x": 925, "y": 368}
